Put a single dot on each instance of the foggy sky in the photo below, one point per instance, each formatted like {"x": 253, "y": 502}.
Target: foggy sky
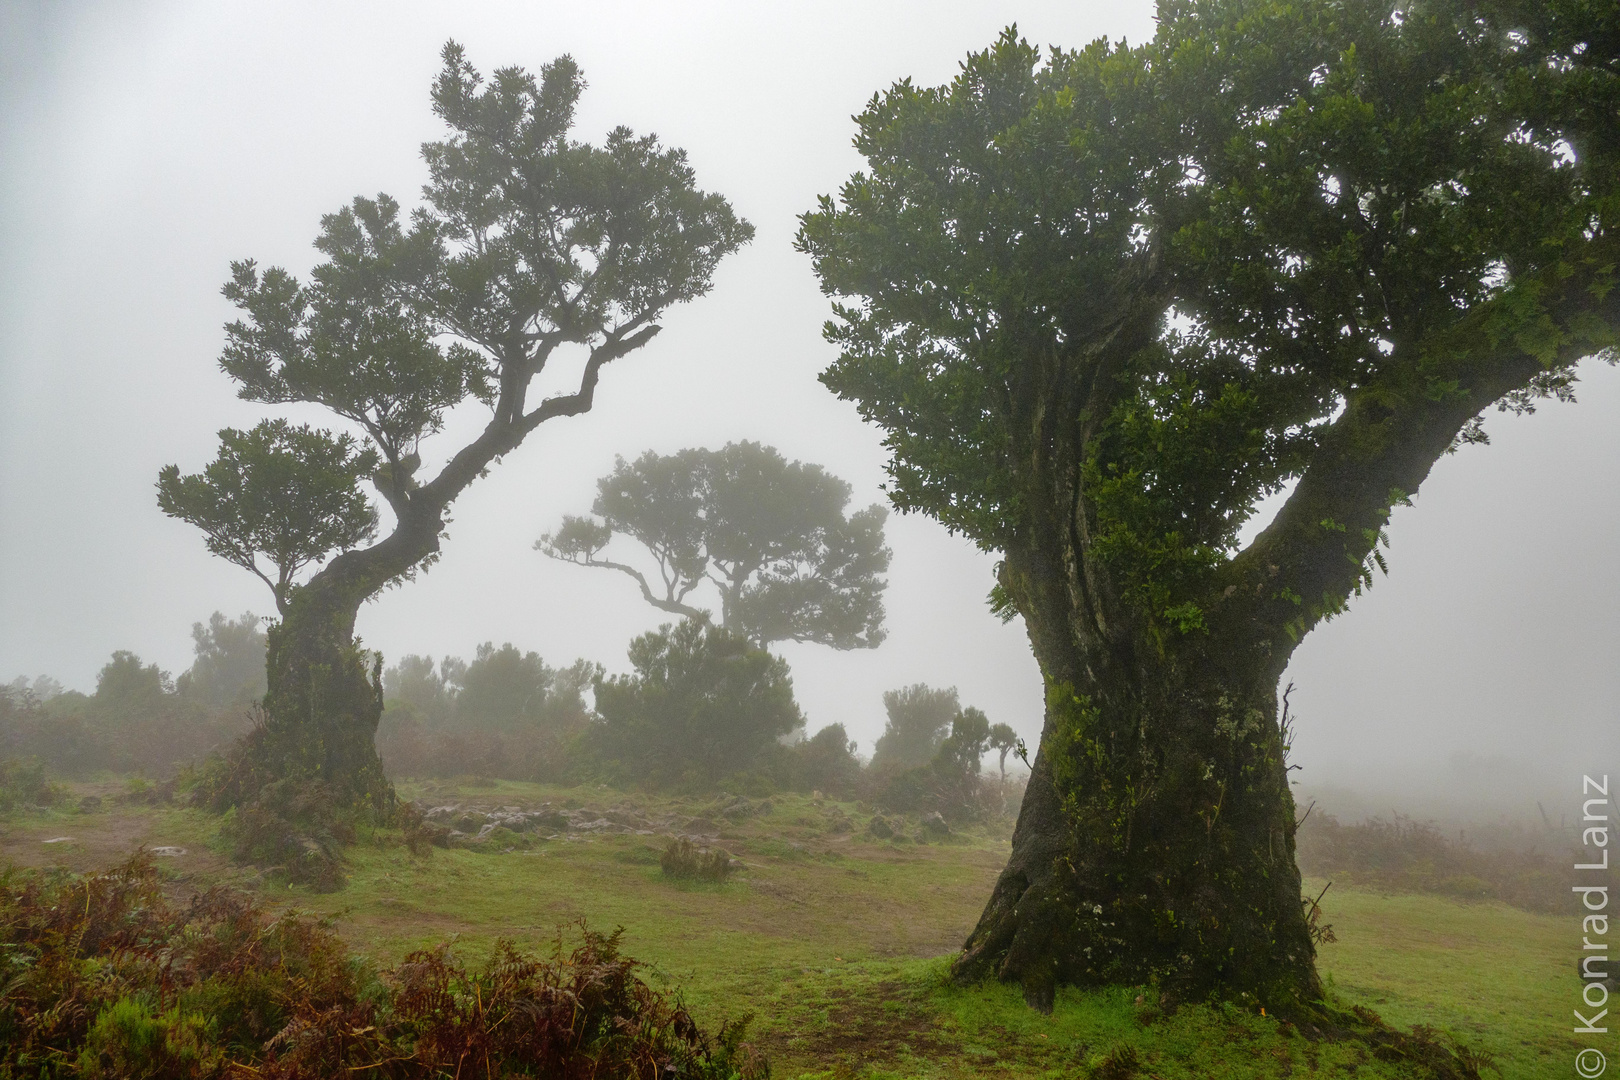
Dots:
{"x": 144, "y": 146}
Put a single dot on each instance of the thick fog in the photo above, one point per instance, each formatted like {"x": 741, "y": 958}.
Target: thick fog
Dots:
{"x": 144, "y": 146}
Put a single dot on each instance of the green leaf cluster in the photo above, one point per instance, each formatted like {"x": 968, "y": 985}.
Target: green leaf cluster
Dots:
{"x": 289, "y": 493}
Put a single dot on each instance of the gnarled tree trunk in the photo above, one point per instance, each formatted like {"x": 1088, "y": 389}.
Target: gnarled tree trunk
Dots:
{"x": 1156, "y": 837}
{"x": 324, "y": 697}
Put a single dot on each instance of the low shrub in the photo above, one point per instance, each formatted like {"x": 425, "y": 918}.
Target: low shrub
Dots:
{"x": 294, "y": 826}
{"x": 23, "y": 783}
{"x": 105, "y": 977}
{"x": 683, "y": 859}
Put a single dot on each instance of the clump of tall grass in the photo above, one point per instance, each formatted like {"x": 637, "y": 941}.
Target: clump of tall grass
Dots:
{"x": 683, "y": 859}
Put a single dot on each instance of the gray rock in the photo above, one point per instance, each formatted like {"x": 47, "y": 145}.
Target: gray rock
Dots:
{"x": 549, "y": 819}
{"x": 933, "y": 825}
{"x": 880, "y": 827}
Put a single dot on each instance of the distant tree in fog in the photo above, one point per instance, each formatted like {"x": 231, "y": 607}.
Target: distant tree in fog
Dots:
{"x": 429, "y": 690}
{"x": 229, "y": 664}
{"x": 528, "y": 245}
{"x": 1003, "y": 740}
{"x": 769, "y": 534}
{"x": 918, "y": 718}
{"x": 505, "y": 688}
{"x": 126, "y": 686}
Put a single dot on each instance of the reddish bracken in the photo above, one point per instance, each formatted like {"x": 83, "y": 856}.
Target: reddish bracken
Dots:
{"x": 105, "y": 977}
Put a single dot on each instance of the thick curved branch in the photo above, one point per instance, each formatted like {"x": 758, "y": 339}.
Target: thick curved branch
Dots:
{"x": 1309, "y": 561}
{"x": 673, "y": 606}
{"x": 501, "y": 436}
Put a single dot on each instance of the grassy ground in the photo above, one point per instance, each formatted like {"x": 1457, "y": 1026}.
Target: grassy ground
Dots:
{"x": 838, "y": 944}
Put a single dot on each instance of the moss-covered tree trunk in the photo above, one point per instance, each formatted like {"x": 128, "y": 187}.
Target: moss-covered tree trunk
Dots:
{"x": 1156, "y": 838}
{"x": 324, "y": 697}
{"x": 322, "y": 707}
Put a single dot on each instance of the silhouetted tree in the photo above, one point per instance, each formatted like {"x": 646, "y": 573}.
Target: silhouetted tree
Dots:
{"x": 918, "y": 718}
{"x": 770, "y": 534}
{"x": 1003, "y": 740}
{"x": 1103, "y": 302}
{"x": 527, "y": 242}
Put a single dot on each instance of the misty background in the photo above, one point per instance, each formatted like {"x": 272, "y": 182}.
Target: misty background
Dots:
{"x": 144, "y": 146}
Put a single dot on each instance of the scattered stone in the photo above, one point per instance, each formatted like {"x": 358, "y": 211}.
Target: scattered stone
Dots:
{"x": 90, "y": 804}
{"x": 880, "y": 828}
{"x": 933, "y": 824}
{"x": 701, "y": 825}
{"x": 58, "y": 840}
{"x": 168, "y": 852}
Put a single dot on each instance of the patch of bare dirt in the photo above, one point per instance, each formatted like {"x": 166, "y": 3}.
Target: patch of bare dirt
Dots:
{"x": 874, "y": 1025}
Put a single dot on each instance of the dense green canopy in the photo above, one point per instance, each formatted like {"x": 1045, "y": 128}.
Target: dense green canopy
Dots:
{"x": 1220, "y": 242}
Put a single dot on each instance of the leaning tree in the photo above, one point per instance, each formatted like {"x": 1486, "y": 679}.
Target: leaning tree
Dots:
{"x": 1104, "y": 302}
{"x": 530, "y": 252}
{"x": 770, "y": 534}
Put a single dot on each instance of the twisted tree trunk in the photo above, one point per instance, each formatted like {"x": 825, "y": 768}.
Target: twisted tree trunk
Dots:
{"x": 324, "y": 698}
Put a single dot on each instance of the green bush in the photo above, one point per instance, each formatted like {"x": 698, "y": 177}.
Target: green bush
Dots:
{"x": 826, "y": 762}
{"x": 128, "y": 1042}
{"x": 23, "y": 783}
{"x": 701, "y": 705}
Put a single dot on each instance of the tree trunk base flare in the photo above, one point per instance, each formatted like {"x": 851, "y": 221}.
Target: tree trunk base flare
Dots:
{"x": 1155, "y": 845}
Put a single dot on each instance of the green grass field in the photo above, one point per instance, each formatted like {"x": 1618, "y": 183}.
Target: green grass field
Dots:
{"x": 838, "y": 944}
